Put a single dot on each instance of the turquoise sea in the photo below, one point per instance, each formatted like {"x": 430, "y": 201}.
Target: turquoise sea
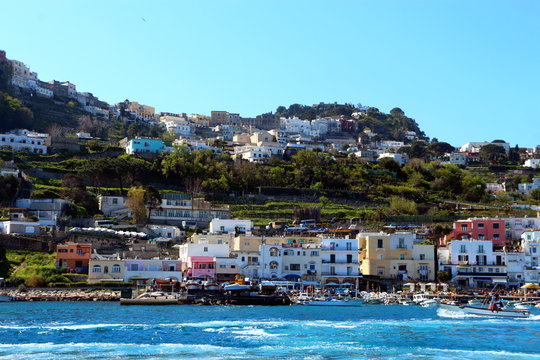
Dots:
{"x": 76, "y": 330}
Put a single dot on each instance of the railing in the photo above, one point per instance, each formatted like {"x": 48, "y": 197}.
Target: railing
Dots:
{"x": 339, "y": 262}
{"x": 336, "y": 273}
{"x": 338, "y": 249}
{"x": 401, "y": 247}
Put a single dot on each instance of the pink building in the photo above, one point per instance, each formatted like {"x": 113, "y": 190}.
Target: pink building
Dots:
{"x": 478, "y": 229}
{"x": 201, "y": 267}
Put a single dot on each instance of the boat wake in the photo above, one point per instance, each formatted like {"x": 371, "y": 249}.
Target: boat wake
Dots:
{"x": 455, "y": 314}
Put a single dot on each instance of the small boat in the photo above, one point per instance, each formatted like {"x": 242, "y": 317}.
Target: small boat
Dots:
{"x": 192, "y": 286}
{"x": 7, "y": 298}
{"x": 420, "y": 298}
{"x": 473, "y": 310}
{"x": 211, "y": 286}
{"x": 429, "y": 303}
{"x": 237, "y": 287}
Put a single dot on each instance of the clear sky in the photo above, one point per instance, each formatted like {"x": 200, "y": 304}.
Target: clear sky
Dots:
{"x": 465, "y": 70}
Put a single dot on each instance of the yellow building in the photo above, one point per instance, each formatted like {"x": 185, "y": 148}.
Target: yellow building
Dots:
{"x": 396, "y": 257}
{"x": 105, "y": 270}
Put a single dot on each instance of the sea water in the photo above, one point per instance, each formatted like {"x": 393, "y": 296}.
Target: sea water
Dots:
{"x": 93, "y": 330}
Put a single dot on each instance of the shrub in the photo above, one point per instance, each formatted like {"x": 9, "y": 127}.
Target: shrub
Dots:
{"x": 35, "y": 281}
{"x": 21, "y": 288}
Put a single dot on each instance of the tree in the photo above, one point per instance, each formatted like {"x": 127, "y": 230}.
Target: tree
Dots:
{"x": 136, "y": 202}
{"x": 443, "y": 276}
{"x": 5, "y": 267}
{"x": 492, "y": 153}
{"x": 438, "y": 149}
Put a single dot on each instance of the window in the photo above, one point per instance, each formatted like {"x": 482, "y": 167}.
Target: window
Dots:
{"x": 380, "y": 271}
{"x": 379, "y": 243}
{"x": 62, "y": 250}
{"x": 78, "y": 264}
{"x": 221, "y": 266}
{"x": 480, "y": 249}
{"x": 422, "y": 256}
{"x": 480, "y": 225}
{"x": 116, "y": 268}
{"x": 462, "y": 249}
{"x": 495, "y": 225}
{"x": 79, "y": 252}
{"x": 205, "y": 249}
{"x": 349, "y": 246}
{"x": 314, "y": 253}
{"x": 106, "y": 269}
{"x": 96, "y": 269}
{"x": 274, "y": 251}
{"x": 464, "y": 227}
{"x": 233, "y": 266}
{"x": 381, "y": 256}
{"x": 273, "y": 265}
{"x": 401, "y": 256}
{"x": 481, "y": 237}
{"x": 247, "y": 243}
{"x": 115, "y": 201}
{"x": 496, "y": 236}
{"x": 134, "y": 267}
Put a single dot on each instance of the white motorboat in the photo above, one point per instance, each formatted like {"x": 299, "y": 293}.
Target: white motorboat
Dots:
{"x": 237, "y": 287}
{"x": 331, "y": 302}
{"x": 420, "y": 298}
{"x": 473, "y": 310}
{"x": 428, "y": 303}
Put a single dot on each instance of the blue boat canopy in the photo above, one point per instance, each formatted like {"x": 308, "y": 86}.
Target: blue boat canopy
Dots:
{"x": 292, "y": 276}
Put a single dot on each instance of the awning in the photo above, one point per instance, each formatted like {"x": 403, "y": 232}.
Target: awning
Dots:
{"x": 499, "y": 281}
{"x": 481, "y": 278}
{"x": 292, "y": 276}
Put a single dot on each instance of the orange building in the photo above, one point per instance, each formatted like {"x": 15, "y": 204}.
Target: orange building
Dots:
{"x": 75, "y": 257}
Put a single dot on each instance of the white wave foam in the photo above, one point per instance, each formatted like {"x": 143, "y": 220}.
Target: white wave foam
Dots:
{"x": 250, "y": 331}
{"x": 485, "y": 353}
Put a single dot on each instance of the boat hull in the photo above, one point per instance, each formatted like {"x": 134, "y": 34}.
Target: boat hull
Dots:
{"x": 471, "y": 310}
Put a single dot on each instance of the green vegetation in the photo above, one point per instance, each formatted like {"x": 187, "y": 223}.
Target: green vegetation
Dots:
{"x": 34, "y": 268}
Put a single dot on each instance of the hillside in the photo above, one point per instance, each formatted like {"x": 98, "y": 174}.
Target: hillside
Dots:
{"x": 390, "y": 126}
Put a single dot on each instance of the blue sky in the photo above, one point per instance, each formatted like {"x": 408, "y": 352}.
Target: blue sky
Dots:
{"x": 465, "y": 70}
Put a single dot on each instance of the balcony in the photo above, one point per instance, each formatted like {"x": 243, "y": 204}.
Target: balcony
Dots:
{"x": 338, "y": 273}
{"x": 401, "y": 247}
{"x": 339, "y": 249}
{"x": 339, "y": 262}
{"x": 463, "y": 262}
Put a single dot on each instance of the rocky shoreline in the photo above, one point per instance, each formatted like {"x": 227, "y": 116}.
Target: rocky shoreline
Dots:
{"x": 63, "y": 295}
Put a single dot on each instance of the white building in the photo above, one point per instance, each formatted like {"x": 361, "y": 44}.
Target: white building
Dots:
{"x": 532, "y": 163}
{"x": 473, "y": 263}
{"x": 29, "y": 142}
{"x": 515, "y": 266}
{"x": 179, "y": 209}
{"x": 400, "y": 159}
{"x": 231, "y": 225}
{"x": 114, "y": 206}
{"x": 390, "y": 144}
{"x": 138, "y": 269}
{"x": 525, "y": 188}
{"x": 185, "y": 251}
{"x": 516, "y": 226}
{"x": 339, "y": 260}
{"x": 531, "y": 250}
{"x": 166, "y": 231}
{"x": 455, "y": 159}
